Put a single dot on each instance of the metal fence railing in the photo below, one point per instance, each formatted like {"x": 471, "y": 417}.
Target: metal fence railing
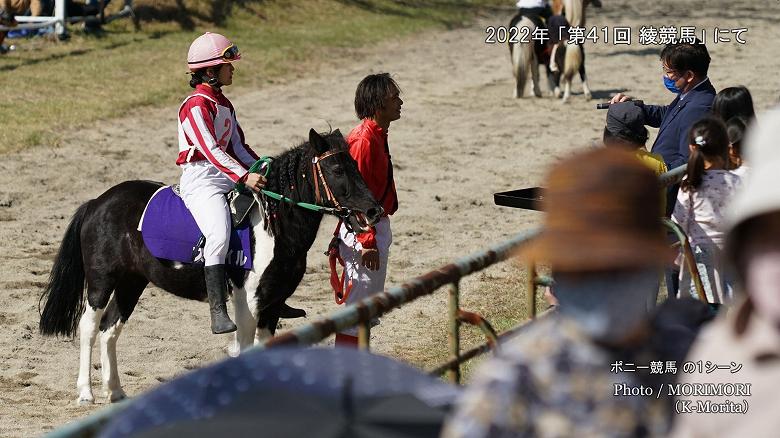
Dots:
{"x": 360, "y": 314}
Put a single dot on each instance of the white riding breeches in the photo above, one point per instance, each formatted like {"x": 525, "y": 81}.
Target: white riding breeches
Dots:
{"x": 203, "y": 189}
{"x": 364, "y": 281}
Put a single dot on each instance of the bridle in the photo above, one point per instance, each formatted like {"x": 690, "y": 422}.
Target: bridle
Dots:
{"x": 263, "y": 166}
{"x": 319, "y": 178}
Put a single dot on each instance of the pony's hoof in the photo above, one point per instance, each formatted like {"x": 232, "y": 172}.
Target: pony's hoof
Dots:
{"x": 85, "y": 401}
{"x": 538, "y": 93}
{"x": 588, "y": 96}
{"x": 262, "y": 335}
{"x": 233, "y": 350}
{"x": 557, "y": 93}
{"x": 117, "y": 396}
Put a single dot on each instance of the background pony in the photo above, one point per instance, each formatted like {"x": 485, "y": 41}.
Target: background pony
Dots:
{"x": 569, "y": 59}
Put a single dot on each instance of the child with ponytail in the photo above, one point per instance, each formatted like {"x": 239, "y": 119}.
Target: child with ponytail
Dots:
{"x": 737, "y": 127}
{"x": 701, "y": 205}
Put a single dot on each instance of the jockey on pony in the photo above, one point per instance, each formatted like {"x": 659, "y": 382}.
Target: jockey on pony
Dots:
{"x": 213, "y": 157}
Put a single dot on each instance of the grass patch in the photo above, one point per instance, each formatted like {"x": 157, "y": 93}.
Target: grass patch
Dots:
{"x": 51, "y": 87}
{"x": 498, "y": 294}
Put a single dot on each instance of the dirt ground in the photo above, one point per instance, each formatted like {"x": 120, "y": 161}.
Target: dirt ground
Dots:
{"x": 461, "y": 138}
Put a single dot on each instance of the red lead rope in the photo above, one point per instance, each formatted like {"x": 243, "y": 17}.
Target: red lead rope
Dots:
{"x": 339, "y": 294}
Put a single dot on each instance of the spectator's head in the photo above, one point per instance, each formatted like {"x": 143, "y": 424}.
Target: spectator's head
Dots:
{"x": 625, "y": 126}
{"x": 684, "y": 65}
{"x": 603, "y": 239}
{"x": 736, "y": 127}
{"x": 732, "y": 102}
{"x": 753, "y": 242}
{"x": 210, "y": 59}
{"x": 376, "y": 95}
{"x": 707, "y": 141}
{"x": 601, "y": 205}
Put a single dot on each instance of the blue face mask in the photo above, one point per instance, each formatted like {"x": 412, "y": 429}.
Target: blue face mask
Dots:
{"x": 669, "y": 84}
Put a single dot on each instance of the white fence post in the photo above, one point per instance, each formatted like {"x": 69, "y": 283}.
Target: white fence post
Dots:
{"x": 59, "y": 14}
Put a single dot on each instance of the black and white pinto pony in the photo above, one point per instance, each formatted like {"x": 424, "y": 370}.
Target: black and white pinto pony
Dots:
{"x": 103, "y": 250}
{"x": 525, "y": 59}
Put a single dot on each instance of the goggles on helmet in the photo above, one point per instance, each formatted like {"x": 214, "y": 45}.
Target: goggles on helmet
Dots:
{"x": 230, "y": 53}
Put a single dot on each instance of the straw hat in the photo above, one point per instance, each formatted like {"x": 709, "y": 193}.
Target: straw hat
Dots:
{"x": 602, "y": 214}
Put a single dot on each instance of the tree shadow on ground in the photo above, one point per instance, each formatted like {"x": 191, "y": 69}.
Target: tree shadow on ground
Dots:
{"x": 422, "y": 8}
{"x": 215, "y": 12}
{"x": 64, "y": 55}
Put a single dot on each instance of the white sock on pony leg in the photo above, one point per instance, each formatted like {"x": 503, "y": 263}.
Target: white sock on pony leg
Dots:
{"x": 111, "y": 385}
{"x": 586, "y": 88}
{"x": 566, "y": 90}
{"x": 245, "y": 320}
{"x": 88, "y": 328}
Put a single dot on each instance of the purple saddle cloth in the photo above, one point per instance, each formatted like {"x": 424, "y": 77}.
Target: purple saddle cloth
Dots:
{"x": 171, "y": 233}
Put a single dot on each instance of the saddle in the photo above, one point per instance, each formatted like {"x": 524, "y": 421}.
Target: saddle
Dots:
{"x": 240, "y": 205}
{"x": 170, "y": 232}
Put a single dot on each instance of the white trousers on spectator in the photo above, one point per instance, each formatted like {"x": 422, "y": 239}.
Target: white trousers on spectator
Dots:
{"x": 203, "y": 189}
{"x": 364, "y": 281}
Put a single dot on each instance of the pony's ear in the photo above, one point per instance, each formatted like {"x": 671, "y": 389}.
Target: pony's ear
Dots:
{"x": 337, "y": 132}
{"x": 317, "y": 142}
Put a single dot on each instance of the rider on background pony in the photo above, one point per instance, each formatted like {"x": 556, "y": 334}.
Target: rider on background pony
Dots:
{"x": 538, "y": 11}
{"x": 213, "y": 157}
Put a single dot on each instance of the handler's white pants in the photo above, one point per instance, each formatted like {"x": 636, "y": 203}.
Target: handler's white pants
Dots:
{"x": 203, "y": 189}
{"x": 364, "y": 281}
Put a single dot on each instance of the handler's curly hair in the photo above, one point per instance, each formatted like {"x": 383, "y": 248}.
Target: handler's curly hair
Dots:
{"x": 371, "y": 93}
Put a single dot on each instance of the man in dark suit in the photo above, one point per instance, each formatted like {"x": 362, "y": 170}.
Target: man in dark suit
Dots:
{"x": 685, "y": 67}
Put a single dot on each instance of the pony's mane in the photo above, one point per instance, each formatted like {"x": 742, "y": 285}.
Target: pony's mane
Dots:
{"x": 287, "y": 178}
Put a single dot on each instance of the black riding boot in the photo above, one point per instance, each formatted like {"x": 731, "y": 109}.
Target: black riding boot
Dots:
{"x": 216, "y": 286}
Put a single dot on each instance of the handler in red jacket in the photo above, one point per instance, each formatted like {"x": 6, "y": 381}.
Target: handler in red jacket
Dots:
{"x": 377, "y": 103}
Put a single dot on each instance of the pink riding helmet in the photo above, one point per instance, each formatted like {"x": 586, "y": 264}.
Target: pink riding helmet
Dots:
{"x": 211, "y": 49}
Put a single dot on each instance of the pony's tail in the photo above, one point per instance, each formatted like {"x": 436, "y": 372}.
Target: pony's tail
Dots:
{"x": 574, "y": 12}
{"x": 522, "y": 59}
{"x": 64, "y": 293}
{"x": 572, "y": 60}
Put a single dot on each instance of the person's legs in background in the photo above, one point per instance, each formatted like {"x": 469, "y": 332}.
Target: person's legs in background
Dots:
{"x": 14, "y": 8}
{"x": 671, "y": 273}
{"x": 92, "y": 7}
{"x": 3, "y": 48}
